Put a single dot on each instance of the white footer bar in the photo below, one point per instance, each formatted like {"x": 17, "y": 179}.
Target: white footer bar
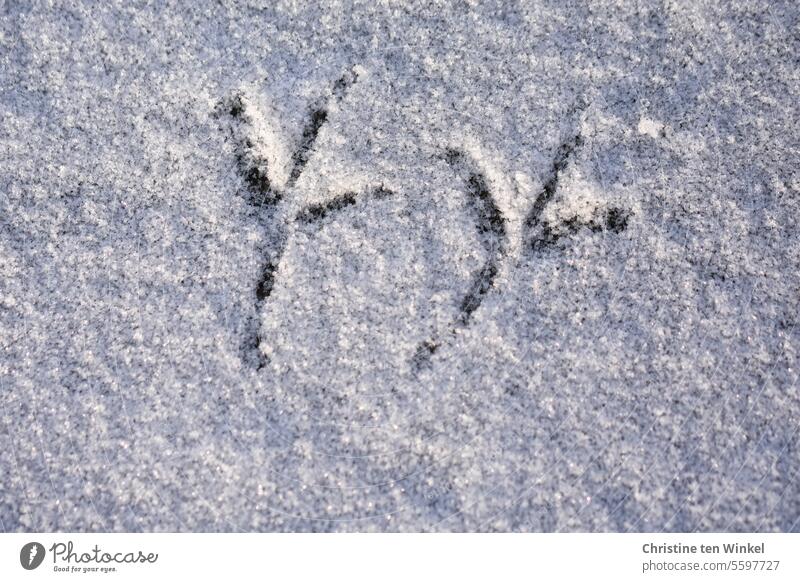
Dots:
{"x": 387, "y": 557}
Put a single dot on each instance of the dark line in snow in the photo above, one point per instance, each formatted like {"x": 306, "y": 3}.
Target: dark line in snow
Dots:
{"x": 316, "y": 119}
{"x": 562, "y": 158}
{"x": 315, "y": 213}
{"x": 300, "y": 157}
{"x": 491, "y": 227}
{"x": 612, "y": 220}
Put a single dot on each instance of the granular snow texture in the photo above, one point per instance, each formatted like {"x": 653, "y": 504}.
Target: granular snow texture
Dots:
{"x": 379, "y": 266}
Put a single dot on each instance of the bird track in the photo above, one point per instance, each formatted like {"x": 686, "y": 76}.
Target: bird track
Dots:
{"x": 268, "y": 201}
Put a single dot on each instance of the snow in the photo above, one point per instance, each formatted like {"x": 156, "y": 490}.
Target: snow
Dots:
{"x": 649, "y": 127}
{"x": 537, "y": 270}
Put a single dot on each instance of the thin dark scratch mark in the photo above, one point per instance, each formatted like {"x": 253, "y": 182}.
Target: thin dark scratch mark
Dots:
{"x": 491, "y": 225}
{"x": 481, "y": 284}
{"x": 263, "y": 290}
{"x": 310, "y": 132}
{"x": 562, "y": 158}
{"x": 251, "y": 346}
{"x": 317, "y": 212}
{"x": 612, "y": 220}
{"x": 267, "y": 280}
{"x": 317, "y": 118}
{"x": 252, "y": 166}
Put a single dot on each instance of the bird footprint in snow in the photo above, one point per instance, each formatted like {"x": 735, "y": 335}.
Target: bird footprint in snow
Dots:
{"x": 272, "y": 204}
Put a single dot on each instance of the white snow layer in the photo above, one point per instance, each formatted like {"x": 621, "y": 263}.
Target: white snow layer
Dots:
{"x": 494, "y": 266}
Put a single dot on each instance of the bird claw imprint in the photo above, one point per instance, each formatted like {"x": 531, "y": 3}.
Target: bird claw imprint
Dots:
{"x": 268, "y": 200}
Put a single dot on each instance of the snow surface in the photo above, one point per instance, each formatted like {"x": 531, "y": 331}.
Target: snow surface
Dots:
{"x": 537, "y": 268}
